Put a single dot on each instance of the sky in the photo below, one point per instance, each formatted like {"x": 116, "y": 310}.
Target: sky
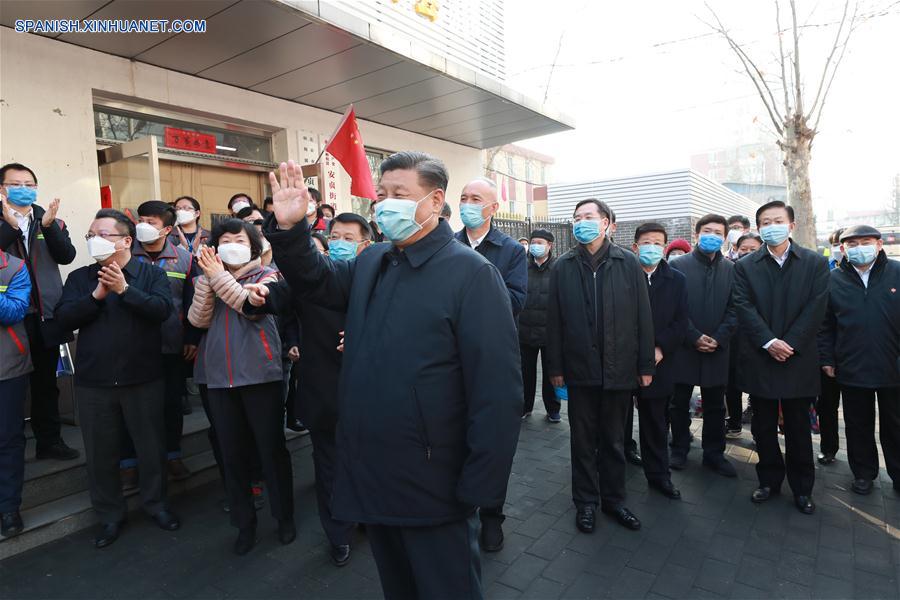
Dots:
{"x": 649, "y": 84}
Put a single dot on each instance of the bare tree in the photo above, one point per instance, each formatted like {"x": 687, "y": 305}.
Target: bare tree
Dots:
{"x": 795, "y": 126}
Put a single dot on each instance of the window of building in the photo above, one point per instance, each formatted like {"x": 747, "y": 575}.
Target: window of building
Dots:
{"x": 115, "y": 125}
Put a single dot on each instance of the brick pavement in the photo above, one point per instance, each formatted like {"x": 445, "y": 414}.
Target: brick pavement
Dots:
{"x": 713, "y": 543}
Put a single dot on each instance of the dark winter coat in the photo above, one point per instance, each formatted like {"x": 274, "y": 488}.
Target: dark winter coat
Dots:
{"x": 533, "y": 318}
{"x": 860, "y": 337}
{"x": 508, "y": 256}
{"x": 785, "y": 303}
{"x": 600, "y": 326}
{"x": 669, "y": 304}
{"x": 709, "y": 289}
{"x": 430, "y": 393}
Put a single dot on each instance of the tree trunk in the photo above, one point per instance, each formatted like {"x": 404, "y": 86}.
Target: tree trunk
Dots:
{"x": 797, "y": 152}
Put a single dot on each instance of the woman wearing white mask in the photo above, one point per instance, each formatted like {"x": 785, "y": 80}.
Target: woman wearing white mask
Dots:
{"x": 240, "y": 362}
{"x": 187, "y": 232}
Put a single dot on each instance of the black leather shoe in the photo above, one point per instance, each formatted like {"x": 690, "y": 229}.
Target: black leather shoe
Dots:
{"x": 11, "y": 524}
{"x": 666, "y": 488}
{"x": 632, "y": 456}
{"x": 245, "y": 541}
{"x": 720, "y": 465}
{"x": 287, "y": 531}
{"x": 863, "y": 487}
{"x": 491, "y": 535}
{"x": 825, "y": 459}
{"x": 340, "y": 555}
{"x": 166, "y": 520}
{"x": 109, "y": 533}
{"x": 805, "y": 504}
{"x": 58, "y": 451}
{"x": 624, "y": 516}
{"x": 585, "y": 518}
{"x": 677, "y": 462}
{"x": 761, "y": 494}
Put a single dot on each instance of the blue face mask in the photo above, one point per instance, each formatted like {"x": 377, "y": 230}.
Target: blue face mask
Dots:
{"x": 471, "y": 215}
{"x": 586, "y": 231}
{"x": 21, "y": 195}
{"x": 341, "y": 250}
{"x": 650, "y": 254}
{"x": 396, "y": 218}
{"x": 710, "y": 242}
{"x": 773, "y": 235}
{"x": 537, "y": 250}
{"x": 861, "y": 255}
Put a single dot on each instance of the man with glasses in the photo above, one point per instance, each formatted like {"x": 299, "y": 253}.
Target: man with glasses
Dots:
{"x": 118, "y": 306}
{"x": 35, "y": 235}
{"x": 477, "y": 206}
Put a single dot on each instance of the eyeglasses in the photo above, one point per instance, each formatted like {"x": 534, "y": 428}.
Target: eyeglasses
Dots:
{"x": 89, "y": 236}
{"x": 30, "y": 186}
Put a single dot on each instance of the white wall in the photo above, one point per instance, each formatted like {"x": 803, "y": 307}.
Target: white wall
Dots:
{"x": 46, "y": 120}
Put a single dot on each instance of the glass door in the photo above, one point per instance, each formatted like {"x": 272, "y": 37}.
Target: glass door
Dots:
{"x": 129, "y": 174}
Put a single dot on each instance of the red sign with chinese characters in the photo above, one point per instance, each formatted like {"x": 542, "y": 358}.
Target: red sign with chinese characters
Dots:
{"x": 190, "y": 140}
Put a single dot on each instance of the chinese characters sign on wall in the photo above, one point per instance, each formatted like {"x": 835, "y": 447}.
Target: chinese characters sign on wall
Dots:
{"x": 194, "y": 141}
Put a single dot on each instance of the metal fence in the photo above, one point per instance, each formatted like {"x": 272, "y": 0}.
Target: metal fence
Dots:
{"x": 521, "y": 227}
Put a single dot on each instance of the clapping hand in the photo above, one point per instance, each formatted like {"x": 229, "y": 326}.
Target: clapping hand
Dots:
{"x": 210, "y": 262}
{"x": 290, "y": 197}
{"x": 7, "y": 213}
{"x": 113, "y": 278}
{"x": 340, "y": 347}
{"x": 50, "y": 213}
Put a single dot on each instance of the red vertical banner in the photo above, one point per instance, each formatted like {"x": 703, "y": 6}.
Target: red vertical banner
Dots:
{"x": 105, "y": 196}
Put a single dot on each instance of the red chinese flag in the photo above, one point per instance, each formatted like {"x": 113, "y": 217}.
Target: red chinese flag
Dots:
{"x": 346, "y": 146}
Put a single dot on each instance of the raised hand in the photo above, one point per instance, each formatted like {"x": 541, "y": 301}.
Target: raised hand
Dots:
{"x": 210, "y": 262}
{"x": 258, "y": 293}
{"x": 50, "y": 213}
{"x": 7, "y": 213}
{"x": 290, "y": 198}
{"x": 113, "y": 278}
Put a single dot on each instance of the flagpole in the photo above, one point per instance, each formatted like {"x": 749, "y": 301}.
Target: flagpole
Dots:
{"x": 336, "y": 129}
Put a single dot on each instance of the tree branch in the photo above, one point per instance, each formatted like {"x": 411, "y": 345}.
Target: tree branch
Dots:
{"x": 784, "y": 81}
{"x": 798, "y": 92}
{"x": 834, "y": 47}
{"x": 750, "y": 68}
{"x": 834, "y": 69}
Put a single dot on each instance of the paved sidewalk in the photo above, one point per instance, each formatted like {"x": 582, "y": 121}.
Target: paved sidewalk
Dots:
{"x": 713, "y": 543}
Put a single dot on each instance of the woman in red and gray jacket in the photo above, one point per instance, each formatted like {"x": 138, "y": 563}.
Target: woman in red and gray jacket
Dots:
{"x": 239, "y": 360}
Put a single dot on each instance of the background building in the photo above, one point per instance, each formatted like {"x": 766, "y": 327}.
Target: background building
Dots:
{"x": 752, "y": 170}
{"x": 131, "y": 117}
{"x": 677, "y": 199}
{"x": 521, "y": 175}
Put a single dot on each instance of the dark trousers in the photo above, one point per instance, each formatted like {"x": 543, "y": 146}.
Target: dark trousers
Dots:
{"x": 428, "y": 563}
{"x": 827, "y": 409}
{"x": 734, "y": 402}
{"x": 245, "y": 417}
{"x": 797, "y": 461}
{"x": 173, "y": 416}
{"x": 103, "y": 412}
{"x": 256, "y": 473}
{"x": 596, "y": 422}
{"x": 654, "y": 430}
{"x": 12, "y": 442}
{"x": 339, "y": 533}
{"x": 630, "y": 444}
{"x": 529, "y": 380}
{"x": 859, "y": 423}
{"x": 44, "y": 393}
{"x": 713, "y": 420}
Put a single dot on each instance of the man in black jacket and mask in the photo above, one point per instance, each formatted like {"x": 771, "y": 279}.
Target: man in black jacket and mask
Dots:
{"x": 780, "y": 294}
{"x": 859, "y": 345}
{"x": 702, "y": 360}
{"x": 600, "y": 341}
{"x": 533, "y": 324}
{"x": 429, "y": 405}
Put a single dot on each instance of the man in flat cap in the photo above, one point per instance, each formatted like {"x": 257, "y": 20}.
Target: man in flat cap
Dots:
{"x": 859, "y": 345}
{"x": 533, "y": 324}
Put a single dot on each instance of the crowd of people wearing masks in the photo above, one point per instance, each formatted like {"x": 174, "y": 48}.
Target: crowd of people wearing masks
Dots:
{"x": 412, "y": 363}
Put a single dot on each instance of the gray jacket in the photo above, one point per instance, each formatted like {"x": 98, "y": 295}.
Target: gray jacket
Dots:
{"x": 236, "y": 350}
{"x": 15, "y": 358}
